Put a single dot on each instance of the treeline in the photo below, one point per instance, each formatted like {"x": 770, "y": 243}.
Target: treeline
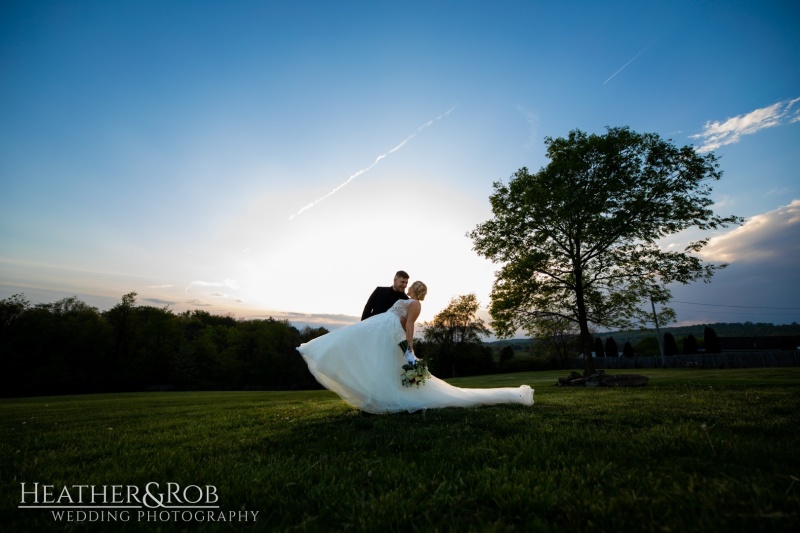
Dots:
{"x": 69, "y": 347}
{"x": 710, "y": 342}
{"x": 452, "y": 341}
{"x": 688, "y": 345}
{"x": 722, "y": 329}
{"x": 447, "y": 360}
{"x": 558, "y": 351}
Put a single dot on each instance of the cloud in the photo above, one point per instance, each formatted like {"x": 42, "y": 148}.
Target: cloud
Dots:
{"x": 329, "y": 317}
{"x": 533, "y": 121}
{"x": 313, "y": 320}
{"x": 228, "y": 283}
{"x": 773, "y": 236}
{"x": 716, "y": 134}
{"x": 377, "y": 160}
{"x": 783, "y": 191}
{"x": 760, "y": 283}
{"x": 159, "y": 301}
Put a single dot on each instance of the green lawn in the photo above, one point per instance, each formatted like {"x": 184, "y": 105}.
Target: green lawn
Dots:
{"x": 695, "y": 450}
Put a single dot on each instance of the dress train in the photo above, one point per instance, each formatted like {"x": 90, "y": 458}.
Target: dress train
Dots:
{"x": 362, "y": 363}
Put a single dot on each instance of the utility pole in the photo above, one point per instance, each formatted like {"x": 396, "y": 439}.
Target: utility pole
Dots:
{"x": 658, "y": 334}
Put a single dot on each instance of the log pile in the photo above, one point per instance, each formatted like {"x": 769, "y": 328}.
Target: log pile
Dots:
{"x": 601, "y": 379}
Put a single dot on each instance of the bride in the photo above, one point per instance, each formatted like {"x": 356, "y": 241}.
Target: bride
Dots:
{"x": 363, "y": 364}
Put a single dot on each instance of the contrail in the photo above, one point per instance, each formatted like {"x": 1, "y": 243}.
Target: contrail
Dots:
{"x": 634, "y": 59}
{"x": 377, "y": 160}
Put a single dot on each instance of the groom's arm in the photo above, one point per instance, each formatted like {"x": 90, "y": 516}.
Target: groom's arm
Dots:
{"x": 370, "y": 305}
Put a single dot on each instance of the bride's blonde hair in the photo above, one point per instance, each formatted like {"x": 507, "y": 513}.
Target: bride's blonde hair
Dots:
{"x": 420, "y": 289}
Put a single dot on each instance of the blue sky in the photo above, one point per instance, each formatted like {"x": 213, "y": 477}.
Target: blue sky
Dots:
{"x": 179, "y": 149}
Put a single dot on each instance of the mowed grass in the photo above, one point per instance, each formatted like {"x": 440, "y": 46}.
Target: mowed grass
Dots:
{"x": 695, "y": 450}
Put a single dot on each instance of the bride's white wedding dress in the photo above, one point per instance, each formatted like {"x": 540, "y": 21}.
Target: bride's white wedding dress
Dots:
{"x": 363, "y": 363}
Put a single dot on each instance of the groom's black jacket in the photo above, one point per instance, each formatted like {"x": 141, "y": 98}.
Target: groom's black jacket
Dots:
{"x": 381, "y": 299}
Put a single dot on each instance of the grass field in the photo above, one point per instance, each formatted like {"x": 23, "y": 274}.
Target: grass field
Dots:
{"x": 695, "y": 450}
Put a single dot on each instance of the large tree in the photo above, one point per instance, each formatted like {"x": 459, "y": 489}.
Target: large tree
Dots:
{"x": 455, "y": 334}
{"x": 670, "y": 344}
{"x": 457, "y": 323}
{"x": 711, "y": 340}
{"x": 579, "y": 239}
{"x": 690, "y": 345}
{"x": 612, "y": 350}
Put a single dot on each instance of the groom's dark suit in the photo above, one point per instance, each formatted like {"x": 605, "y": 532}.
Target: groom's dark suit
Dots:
{"x": 381, "y": 299}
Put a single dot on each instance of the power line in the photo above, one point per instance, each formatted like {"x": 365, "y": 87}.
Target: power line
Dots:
{"x": 735, "y": 313}
{"x": 741, "y": 306}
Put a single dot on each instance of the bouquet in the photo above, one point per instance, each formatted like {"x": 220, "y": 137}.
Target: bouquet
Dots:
{"x": 415, "y": 373}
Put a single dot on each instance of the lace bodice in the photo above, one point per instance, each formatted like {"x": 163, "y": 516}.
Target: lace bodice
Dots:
{"x": 400, "y": 308}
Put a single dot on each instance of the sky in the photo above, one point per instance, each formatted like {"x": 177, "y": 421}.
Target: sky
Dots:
{"x": 283, "y": 159}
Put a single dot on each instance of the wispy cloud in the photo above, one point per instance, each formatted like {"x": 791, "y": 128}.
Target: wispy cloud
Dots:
{"x": 159, "y": 301}
{"x": 228, "y": 283}
{"x": 328, "y": 321}
{"x": 783, "y": 191}
{"x": 725, "y": 200}
{"x": 198, "y": 303}
{"x": 533, "y": 121}
{"x": 716, "y": 134}
{"x": 377, "y": 160}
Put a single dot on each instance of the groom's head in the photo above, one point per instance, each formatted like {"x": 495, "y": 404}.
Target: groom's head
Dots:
{"x": 400, "y": 281}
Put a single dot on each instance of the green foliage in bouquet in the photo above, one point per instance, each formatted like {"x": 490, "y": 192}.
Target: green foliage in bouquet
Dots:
{"x": 415, "y": 374}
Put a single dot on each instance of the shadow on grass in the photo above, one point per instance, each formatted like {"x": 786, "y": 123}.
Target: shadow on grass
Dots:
{"x": 692, "y": 451}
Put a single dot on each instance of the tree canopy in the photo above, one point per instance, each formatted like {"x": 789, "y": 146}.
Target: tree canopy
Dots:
{"x": 579, "y": 239}
{"x": 711, "y": 340}
{"x": 453, "y": 338}
{"x": 70, "y": 347}
{"x": 670, "y": 344}
{"x": 690, "y": 345}
{"x": 599, "y": 351}
{"x": 457, "y": 323}
{"x": 612, "y": 350}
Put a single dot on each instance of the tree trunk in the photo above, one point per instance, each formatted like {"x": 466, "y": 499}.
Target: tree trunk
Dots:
{"x": 583, "y": 322}
{"x": 586, "y": 343}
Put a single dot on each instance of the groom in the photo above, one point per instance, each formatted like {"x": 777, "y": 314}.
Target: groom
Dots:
{"x": 382, "y": 298}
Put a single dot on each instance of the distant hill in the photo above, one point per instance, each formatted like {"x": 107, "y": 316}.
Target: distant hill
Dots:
{"x": 723, "y": 329}
{"x": 518, "y": 344}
